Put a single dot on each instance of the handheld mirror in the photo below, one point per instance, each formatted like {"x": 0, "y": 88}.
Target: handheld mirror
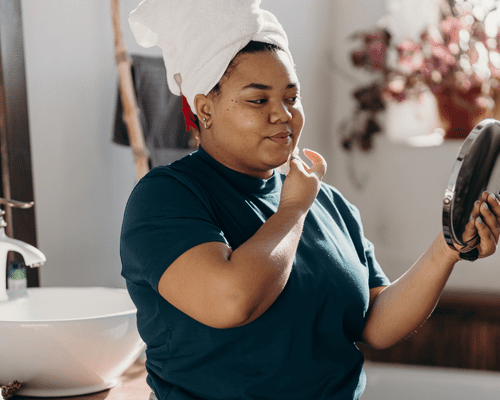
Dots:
{"x": 477, "y": 169}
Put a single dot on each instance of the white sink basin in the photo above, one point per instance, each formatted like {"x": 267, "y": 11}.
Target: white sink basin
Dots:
{"x": 67, "y": 341}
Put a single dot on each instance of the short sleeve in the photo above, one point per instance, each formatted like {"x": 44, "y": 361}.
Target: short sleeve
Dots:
{"x": 377, "y": 276}
{"x": 164, "y": 218}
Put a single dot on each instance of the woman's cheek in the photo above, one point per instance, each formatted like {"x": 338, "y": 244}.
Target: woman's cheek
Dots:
{"x": 249, "y": 120}
{"x": 298, "y": 117}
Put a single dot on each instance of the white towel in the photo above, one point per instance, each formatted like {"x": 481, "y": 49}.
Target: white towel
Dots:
{"x": 199, "y": 38}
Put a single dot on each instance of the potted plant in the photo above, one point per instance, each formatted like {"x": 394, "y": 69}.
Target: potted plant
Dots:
{"x": 457, "y": 61}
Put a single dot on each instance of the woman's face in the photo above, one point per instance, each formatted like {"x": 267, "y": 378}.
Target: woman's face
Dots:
{"x": 256, "y": 119}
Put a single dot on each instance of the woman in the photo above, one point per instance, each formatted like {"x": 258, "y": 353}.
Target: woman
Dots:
{"x": 254, "y": 285}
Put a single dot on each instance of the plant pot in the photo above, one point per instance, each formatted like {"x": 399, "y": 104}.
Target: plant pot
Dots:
{"x": 459, "y": 113}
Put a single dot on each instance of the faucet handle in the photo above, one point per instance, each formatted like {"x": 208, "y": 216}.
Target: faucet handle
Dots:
{"x": 12, "y": 203}
{"x": 15, "y": 203}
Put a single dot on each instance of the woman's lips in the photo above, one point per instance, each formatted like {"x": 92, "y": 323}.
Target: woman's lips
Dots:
{"x": 282, "y": 138}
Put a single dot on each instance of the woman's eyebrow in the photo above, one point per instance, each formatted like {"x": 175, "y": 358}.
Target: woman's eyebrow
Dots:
{"x": 261, "y": 86}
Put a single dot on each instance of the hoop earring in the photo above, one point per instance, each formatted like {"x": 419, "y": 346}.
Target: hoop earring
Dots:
{"x": 205, "y": 123}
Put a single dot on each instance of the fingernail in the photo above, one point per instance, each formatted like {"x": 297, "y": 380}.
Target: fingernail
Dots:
{"x": 485, "y": 206}
{"x": 476, "y": 202}
{"x": 312, "y": 156}
{"x": 471, "y": 218}
{"x": 492, "y": 195}
{"x": 480, "y": 220}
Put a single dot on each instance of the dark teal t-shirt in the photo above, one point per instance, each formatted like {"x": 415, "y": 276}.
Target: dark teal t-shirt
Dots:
{"x": 303, "y": 346}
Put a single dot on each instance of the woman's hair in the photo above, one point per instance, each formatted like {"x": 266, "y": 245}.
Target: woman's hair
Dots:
{"x": 251, "y": 47}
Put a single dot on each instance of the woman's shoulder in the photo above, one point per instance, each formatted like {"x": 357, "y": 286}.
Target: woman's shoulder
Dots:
{"x": 183, "y": 173}
{"x": 162, "y": 180}
{"x": 166, "y": 188}
{"x": 330, "y": 194}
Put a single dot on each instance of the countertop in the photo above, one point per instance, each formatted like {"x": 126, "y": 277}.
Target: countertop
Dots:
{"x": 132, "y": 386}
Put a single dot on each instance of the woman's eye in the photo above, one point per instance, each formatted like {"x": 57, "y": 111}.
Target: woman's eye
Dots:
{"x": 294, "y": 99}
{"x": 259, "y": 101}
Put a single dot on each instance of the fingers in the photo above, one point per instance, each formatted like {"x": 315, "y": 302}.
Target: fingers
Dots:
{"x": 470, "y": 230}
{"x": 313, "y": 156}
{"x": 319, "y": 163}
{"x": 493, "y": 201}
{"x": 303, "y": 183}
{"x": 489, "y": 217}
{"x": 488, "y": 243}
{"x": 298, "y": 163}
{"x": 487, "y": 223}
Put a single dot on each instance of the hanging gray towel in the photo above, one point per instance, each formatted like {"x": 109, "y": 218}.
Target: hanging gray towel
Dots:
{"x": 160, "y": 113}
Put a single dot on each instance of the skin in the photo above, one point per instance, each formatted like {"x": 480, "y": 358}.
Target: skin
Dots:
{"x": 223, "y": 288}
{"x": 255, "y": 103}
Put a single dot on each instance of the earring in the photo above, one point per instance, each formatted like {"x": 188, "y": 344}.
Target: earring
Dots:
{"x": 205, "y": 123}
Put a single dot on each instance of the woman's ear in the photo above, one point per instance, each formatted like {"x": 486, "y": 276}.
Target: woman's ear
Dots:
{"x": 203, "y": 106}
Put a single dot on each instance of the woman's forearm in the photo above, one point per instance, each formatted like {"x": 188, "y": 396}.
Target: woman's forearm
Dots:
{"x": 263, "y": 263}
{"x": 404, "y": 305}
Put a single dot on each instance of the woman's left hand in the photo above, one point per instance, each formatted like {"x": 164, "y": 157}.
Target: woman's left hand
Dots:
{"x": 485, "y": 218}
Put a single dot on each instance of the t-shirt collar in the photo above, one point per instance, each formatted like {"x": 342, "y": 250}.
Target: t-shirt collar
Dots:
{"x": 244, "y": 182}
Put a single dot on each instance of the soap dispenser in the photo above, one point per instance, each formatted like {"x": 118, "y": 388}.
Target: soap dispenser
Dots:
{"x": 17, "y": 276}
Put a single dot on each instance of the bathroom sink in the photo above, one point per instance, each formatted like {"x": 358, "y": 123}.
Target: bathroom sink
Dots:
{"x": 67, "y": 341}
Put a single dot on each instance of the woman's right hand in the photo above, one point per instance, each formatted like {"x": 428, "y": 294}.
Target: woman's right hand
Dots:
{"x": 302, "y": 183}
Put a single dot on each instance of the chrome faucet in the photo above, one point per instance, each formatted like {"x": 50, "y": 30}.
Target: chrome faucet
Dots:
{"x": 32, "y": 256}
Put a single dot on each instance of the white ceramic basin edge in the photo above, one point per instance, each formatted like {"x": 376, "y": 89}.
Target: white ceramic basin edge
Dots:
{"x": 67, "y": 341}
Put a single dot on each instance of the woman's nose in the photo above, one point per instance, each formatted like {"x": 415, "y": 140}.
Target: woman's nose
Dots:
{"x": 280, "y": 113}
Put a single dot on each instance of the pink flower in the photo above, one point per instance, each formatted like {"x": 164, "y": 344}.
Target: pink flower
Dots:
{"x": 479, "y": 33}
{"x": 454, "y": 48}
{"x": 376, "y": 46}
{"x": 410, "y": 56}
{"x": 408, "y": 46}
{"x": 485, "y": 102}
{"x": 443, "y": 54}
{"x": 397, "y": 85}
{"x": 451, "y": 27}
{"x": 466, "y": 20}
{"x": 473, "y": 56}
{"x": 463, "y": 82}
{"x": 427, "y": 69}
{"x": 495, "y": 72}
{"x": 413, "y": 63}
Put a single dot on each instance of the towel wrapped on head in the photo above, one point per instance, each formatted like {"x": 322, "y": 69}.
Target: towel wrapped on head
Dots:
{"x": 199, "y": 38}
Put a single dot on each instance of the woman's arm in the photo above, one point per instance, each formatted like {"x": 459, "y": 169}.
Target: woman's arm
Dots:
{"x": 400, "y": 308}
{"x": 222, "y": 288}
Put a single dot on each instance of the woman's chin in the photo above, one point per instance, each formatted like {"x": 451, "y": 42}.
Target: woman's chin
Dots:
{"x": 284, "y": 167}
